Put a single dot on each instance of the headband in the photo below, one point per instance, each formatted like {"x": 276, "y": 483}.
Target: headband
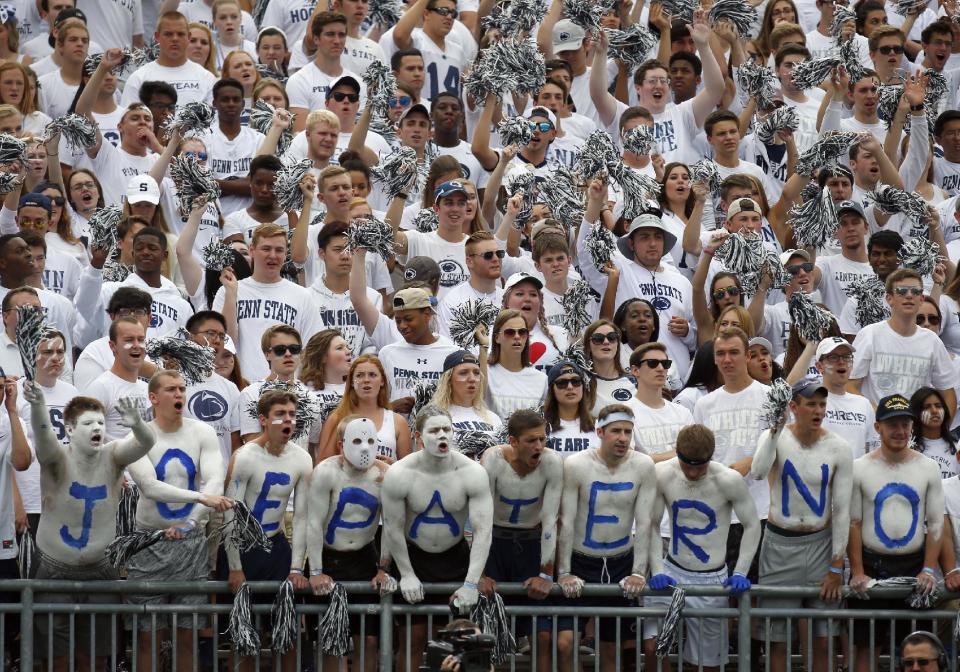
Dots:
{"x": 692, "y": 462}
{"x": 616, "y": 416}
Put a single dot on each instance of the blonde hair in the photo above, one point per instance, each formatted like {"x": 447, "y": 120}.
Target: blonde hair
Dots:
{"x": 228, "y": 61}
{"x": 70, "y": 24}
{"x": 267, "y": 82}
{"x": 322, "y": 117}
{"x": 443, "y": 397}
{"x": 211, "y": 63}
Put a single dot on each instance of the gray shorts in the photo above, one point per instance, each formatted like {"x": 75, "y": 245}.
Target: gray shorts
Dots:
{"x": 171, "y": 560}
{"x": 61, "y": 630}
{"x": 795, "y": 561}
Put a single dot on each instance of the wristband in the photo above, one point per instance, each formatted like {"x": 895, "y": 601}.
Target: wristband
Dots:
{"x": 315, "y": 572}
{"x": 563, "y": 574}
{"x": 547, "y": 577}
{"x": 470, "y": 584}
{"x": 639, "y": 576}
{"x": 929, "y": 570}
{"x": 955, "y": 569}
{"x": 916, "y": 108}
{"x": 835, "y": 570}
{"x": 297, "y": 571}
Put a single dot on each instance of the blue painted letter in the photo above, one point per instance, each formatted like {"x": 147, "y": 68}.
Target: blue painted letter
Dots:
{"x": 790, "y": 472}
{"x": 681, "y": 532}
{"x": 516, "y": 504}
{"x": 594, "y": 519}
{"x": 886, "y": 492}
{"x": 163, "y": 508}
{"x": 444, "y": 519}
{"x": 90, "y": 497}
{"x": 357, "y": 496}
{"x": 270, "y": 479}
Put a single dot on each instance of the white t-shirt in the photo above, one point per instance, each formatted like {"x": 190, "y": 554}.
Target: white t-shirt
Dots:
{"x": 457, "y": 297}
{"x": 619, "y": 390}
{"x": 850, "y": 416}
{"x": 112, "y": 23}
{"x": 821, "y": 45}
{"x": 940, "y": 452}
{"x": 806, "y": 134}
{"x": 192, "y": 81}
{"x": 260, "y": 306}
{"x": 216, "y": 402}
{"x": 359, "y": 53}
{"x": 290, "y": 16}
{"x": 508, "y": 391}
{"x": 241, "y": 222}
{"x": 570, "y": 439}
{"x": 61, "y": 273}
{"x": 655, "y": 429}
{"x": 407, "y": 365}
{"x": 451, "y": 257}
{"x": 837, "y": 273}
{"x": 443, "y": 68}
{"x": 466, "y": 418}
{"x": 230, "y": 159}
{"x": 469, "y": 166}
{"x": 56, "y": 95}
{"x": 308, "y": 86}
{"x": 114, "y": 167}
{"x": 109, "y": 389}
{"x": 337, "y": 312}
{"x": 889, "y": 363}
{"x": 674, "y": 130}
{"x": 8, "y": 535}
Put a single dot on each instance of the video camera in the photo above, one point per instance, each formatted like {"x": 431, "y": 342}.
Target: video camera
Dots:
{"x": 472, "y": 650}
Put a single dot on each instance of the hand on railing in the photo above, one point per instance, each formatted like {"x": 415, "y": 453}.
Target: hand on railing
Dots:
{"x": 737, "y": 583}
{"x": 632, "y": 586}
{"x": 662, "y": 582}
{"x": 411, "y": 589}
{"x": 384, "y": 584}
{"x": 571, "y": 585}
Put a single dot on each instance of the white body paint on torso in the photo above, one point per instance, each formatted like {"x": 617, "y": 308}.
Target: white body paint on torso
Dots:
{"x": 517, "y": 500}
{"x": 351, "y": 500}
{"x": 907, "y": 494}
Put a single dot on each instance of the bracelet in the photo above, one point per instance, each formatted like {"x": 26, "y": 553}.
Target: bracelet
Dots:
{"x": 315, "y": 572}
{"x": 545, "y": 576}
{"x": 929, "y": 570}
{"x": 470, "y": 584}
{"x": 955, "y": 569}
{"x": 916, "y": 108}
{"x": 639, "y": 576}
{"x": 297, "y": 571}
{"x": 835, "y": 570}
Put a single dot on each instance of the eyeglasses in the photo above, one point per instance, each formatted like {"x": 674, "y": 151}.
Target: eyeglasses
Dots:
{"x": 512, "y": 333}
{"x": 84, "y": 186}
{"x": 932, "y": 320}
{"x": 836, "y": 359}
{"x": 733, "y": 292}
{"x": 400, "y": 101}
{"x": 657, "y": 80}
{"x": 806, "y": 267}
{"x": 212, "y": 335}
{"x": 281, "y": 350}
{"x": 202, "y": 156}
{"x": 888, "y": 49}
{"x": 490, "y": 254}
{"x": 564, "y": 383}
{"x": 903, "y": 291}
{"x": 132, "y": 312}
{"x": 907, "y": 663}
{"x": 542, "y": 126}
{"x": 654, "y": 363}
{"x": 445, "y": 12}
{"x": 341, "y": 96}
{"x": 599, "y": 339}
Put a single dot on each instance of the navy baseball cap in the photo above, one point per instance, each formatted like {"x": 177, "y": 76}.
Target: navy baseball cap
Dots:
{"x": 807, "y": 387}
{"x": 447, "y": 188}
{"x": 36, "y": 201}
{"x": 459, "y": 357}
{"x": 893, "y": 406}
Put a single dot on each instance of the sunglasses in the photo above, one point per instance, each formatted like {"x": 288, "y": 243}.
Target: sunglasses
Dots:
{"x": 904, "y": 291}
{"x": 732, "y": 292}
{"x": 400, "y": 101}
{"x": 542, "y": 126}
{"x": 564, "y": 383}
{"x": 487, "y": 256}
{"x": 202, "y": 156}
{"x": 932, "y": 320}
{"x": 444, "y": 11}
{"x": 908, "y": 663}
{"x": 599, "y": 339}
{"x": 341, "y": 96}
{"x": 806, "y": 267}
{"x": 281, "y": 350}
{"x": 512, "y": 333}
{"x": 654, "y": 363}
{"x": 890, "y": 49}
{"x": 57, "y": 200}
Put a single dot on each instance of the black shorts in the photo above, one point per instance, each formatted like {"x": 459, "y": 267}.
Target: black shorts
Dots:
{"x": 881, "y": 566}
{"x": 515, "y": 557}
{"x": 449, "y": 566}
{"x": 358, "y": 565}
{"x": 734, "y": 536}
{"x": 260, "y": 565}
{"x": 609, "y": 570}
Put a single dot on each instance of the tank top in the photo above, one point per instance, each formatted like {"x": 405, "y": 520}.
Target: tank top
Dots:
{"x": 387, "y": 437}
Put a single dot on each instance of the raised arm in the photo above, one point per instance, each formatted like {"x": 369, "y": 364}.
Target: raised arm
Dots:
{"x": 765, "y": 455}
{"x": 358, "y": 137}
{"x": 159, "y": 168}
{"x": 480, "y": 145}
{"x": 299, "y": 244}
{"x": 88, "y": 97}
{"x": 49, "y": 450}
{"x": 278, "y": 124}
{"x": 802, "y": 365}
{"x": 410, "y": 19}
{"x": 603, "y": 101}
{"x": 706, "y": 101}
{"x": 138, "y": 443}
{"x": 366, "y": 311}
{"x": 189, "y": 265}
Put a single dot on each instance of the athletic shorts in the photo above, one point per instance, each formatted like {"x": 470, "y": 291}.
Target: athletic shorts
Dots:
{"x": 795, "y": 560}
{"x": 608, "y": 570}
{"x": 515, "y": 557}
{"x": 260, "y": 565}
{"x": 57, "y": 571}
{"x": 705, "y": 640}
{"x": 358, "y": 565}
{"x": 171, "y": 560}
{"x": 449, "y": 566}
{"x": 878, "y": 566}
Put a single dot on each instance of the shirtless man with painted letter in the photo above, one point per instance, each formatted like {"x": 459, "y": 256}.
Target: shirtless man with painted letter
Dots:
{"x": 810, "y": 471}
{"x": 896, "y": 522}
{"x": 526, "y": 479}
{"x": 608, "y": 493}
{"x": 81, "y": 485}
{"x": 344, "y": 507}
{"x": 699, "y": 497}
{"x": 427, "y": 497}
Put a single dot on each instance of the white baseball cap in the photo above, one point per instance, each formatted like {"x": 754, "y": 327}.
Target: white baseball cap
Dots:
{"x": 831, "y": 343}
{"x": 142, "y": 188}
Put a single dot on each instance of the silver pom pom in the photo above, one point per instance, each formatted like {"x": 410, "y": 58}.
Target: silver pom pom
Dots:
{"x": 706, "y": 171}
{"x": 825, "y": 152}
{"x": 369, "y": 233}
{"x": 241, "y": 630}
{"x": 513, "y": 64}
{"x": 600, "y": 244}
{"x": 631, "y": 46}
{"x": 12, "y": 149}
{"x": 9, "y": 182}
{"x": 758, "y": 82}
{"x": 520, "y": 17}
{"x": 466, "y": 317}
{"x": 525, "y": 183}
{"x": 586, "y": 13}
{"x": 193, "y": 180}
{"x": 905, "y": 7}
{"x": 639, "y": 140}
{"x": 680, "y": 10}
{"x": 286, "y": 186}
{"x": 781, "y": 119}
{"x": 814, "y": 222}
{"x": 261, "y": 119}
{"x": 196, "y": 117}
{"x": 896, "y": 201}
{"x": 285, "y": 625}
{"x": 562, "y": 193}
{"x": 742, "y": 252}
{"x": 920, "y": 254}
{"x": 889, "y": 100}
{"x": 575, "y": 300}
{"x": 121, "y": 549}
{"x": 850, "y": 57}
{"x": 596, "y": 153}
{"x": 28, "y": 334}
{"x": 841, "y": 14}
{"x": 869, "y": 292}
{"x": 515, "y": 131}
{"x": 810, "y": 320}
{"x": 490, "y": 614}
{"x": 398, "y": 172}
{"x": 103, "y": 227}
{"x": 473, "y": 442}
{"x": 426, "y": 220}
{"x": 671, "y": 623}
{"x": 774, "y": 409}
{"x": 194, "y": 361}
{"x": 114, "y": 271}
{"x": 812, "y": 73}
{"x": 380, "y": 84}
{"x": 217, "y": 256}
{"x": 385, "y": 13}
{"x": 76, "y": 129}
{"x": 738, "y": 12}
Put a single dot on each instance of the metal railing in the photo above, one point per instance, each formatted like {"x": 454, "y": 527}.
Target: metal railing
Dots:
{"x": 742, "y": 616}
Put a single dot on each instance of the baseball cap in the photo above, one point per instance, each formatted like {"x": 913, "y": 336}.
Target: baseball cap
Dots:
{"x": 546, "y": 225}
{"x": 893, "y": 406}
{"x": 346, "y": 79}
{"x": 787, "y": 254}
{"x": 567, "y": 36}
{"x": 850, "y": 206}
{"x": 517, "y": 278}
{"x": 560, "y": 368}
{"x": 449, "y": 187}
{"x": 541, "y": 111}
{"x": 421, "y": 269}
{"x": 760, "y": 340}
{"x": 646, "y": 221}
{"x": 69, "y": 13}
{"x": 809, "y": 386}
{"x": 416, "y": 107}
{"x": 143, "y": 188}
{"x": 742, "y": 205}
{"x": 830, "y": 344}
{"x": 459, "y": 357}
{"x": 36, "y": 201}
{"x": 413, "y": 298}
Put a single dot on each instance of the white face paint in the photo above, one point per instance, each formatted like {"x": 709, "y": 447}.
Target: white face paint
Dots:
{"x": 437, "y": 436}
{"x": 360, "y": 443}
{"x": 89, "y": 430}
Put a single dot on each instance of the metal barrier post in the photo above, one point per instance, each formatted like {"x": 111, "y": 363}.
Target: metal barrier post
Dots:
{"x": 26, "y": 628}
{"x": 743, "y": 633}
{"x": 386, "y": 633}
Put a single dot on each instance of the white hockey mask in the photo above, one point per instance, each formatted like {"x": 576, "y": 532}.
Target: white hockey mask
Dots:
{"x": 360, "y": 443}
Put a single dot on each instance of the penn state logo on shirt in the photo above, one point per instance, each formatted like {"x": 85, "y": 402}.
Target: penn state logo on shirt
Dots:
{"x": 155, "y": 320}
{"x": 622, "y": 394}
{"x": 885, "y": 382}
{"x": 661, "y": 303}
{"x": 464, "y": 172}
{"x": 207, "y": 406}
{"x": 452, "y": 273}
